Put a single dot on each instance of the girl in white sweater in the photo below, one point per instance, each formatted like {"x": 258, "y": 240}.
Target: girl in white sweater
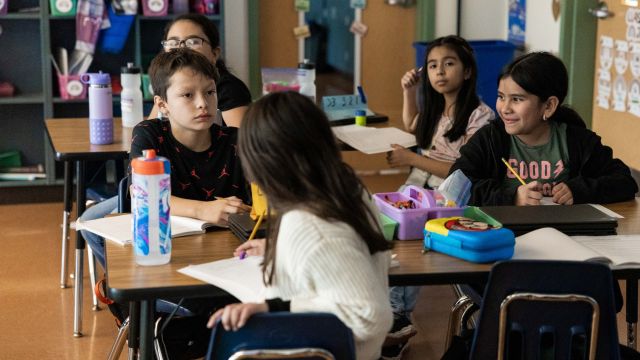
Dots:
{"x": 324, "y": 251}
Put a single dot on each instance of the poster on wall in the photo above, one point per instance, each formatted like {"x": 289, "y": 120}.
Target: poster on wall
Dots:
{"x": 516, "y": 24}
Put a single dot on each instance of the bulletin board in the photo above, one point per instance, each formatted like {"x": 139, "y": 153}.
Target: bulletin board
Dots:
{"x": 616, "y": 97}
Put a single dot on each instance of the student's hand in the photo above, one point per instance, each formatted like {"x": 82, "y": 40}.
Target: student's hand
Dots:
{"x": 562, "y": 194}
{"x": 528, "y": 194}
{"x": 400, "y": 156}
{"x": 217, "y": 212}
{"x": 234, "y": 316}
{"x": 410, "y": 79}
{"x": 252, "y": 248}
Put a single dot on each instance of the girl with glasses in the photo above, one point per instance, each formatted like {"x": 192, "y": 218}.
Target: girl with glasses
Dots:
{"x": 197, "y": 32}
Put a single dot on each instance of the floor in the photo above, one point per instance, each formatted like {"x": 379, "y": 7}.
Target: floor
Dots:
{"x": 37, "y": 315}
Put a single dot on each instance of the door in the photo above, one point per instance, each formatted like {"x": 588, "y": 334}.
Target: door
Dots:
{"x": 616, "y": 90}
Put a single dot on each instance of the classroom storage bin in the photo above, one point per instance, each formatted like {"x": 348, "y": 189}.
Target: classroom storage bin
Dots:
{"x": 468, "y": 240}
{"x": 411, "y": 221}
{"x": 491, "y": 56}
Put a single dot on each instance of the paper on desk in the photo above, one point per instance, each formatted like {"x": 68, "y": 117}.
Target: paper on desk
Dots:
{"x": 240, "y": 278}
{"x": 371, "y": 140}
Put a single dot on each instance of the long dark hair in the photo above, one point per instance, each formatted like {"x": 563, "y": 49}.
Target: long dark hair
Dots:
{"x": 466, "y": 102}
{"x": 208, "y": 28}
{"x": 544, "y": 75}
{"x": 288, "y": 149}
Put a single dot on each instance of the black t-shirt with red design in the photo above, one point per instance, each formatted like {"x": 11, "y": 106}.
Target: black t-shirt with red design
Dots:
{"x": 202, "y": 176}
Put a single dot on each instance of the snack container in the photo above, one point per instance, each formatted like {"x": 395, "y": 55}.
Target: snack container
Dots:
{"x": 411, "y": 221}
{"x": 474, "y": 237}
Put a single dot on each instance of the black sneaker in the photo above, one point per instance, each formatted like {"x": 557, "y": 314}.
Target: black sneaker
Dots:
{"x": 401, "y": 331}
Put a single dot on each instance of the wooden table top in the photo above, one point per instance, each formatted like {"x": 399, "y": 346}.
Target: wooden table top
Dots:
{"x": 128, "y": 281}
{"x": 70, "y": 140}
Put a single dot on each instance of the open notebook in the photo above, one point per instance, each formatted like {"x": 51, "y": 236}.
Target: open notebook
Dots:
{"x": 119, "y": 229}
{"x": 241, "y": 278}
{"x": 619, "y": 251}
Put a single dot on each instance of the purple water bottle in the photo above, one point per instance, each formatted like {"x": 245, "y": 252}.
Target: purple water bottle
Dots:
{"x": 100, "y": 108}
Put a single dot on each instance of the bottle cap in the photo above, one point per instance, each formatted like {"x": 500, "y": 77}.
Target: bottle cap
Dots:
{"x": 361, "y": 113}
{"x": 150, "y": 164}
{"x": 130, "y": 69}
{"x": 307, "y": 65}
{"x": 99, "y": 78}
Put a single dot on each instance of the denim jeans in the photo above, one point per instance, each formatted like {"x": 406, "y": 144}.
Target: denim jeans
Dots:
{"x": 98, "y": 211}
{"x": 403, "y": 298}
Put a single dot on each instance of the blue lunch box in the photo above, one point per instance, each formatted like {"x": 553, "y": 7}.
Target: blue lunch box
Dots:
{"x": 474, "y": 237}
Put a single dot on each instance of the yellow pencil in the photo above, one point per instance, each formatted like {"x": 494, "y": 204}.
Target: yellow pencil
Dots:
{"x": 255, "y": 228}
{"x": 514, "y": 172}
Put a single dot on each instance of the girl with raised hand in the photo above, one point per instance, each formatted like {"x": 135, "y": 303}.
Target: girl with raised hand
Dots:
{"x": 444, "y": 115}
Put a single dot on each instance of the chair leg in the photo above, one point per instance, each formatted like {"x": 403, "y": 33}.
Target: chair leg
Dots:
{"x": 157, "y": 343}
{"x": 458, "y": 311}
{"x": 118, "y": 344}
{"x": 64, "y": 249}
{"x": 92, "y": 277}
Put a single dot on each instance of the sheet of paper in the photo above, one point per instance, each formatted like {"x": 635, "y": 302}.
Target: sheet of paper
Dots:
{"x": 607, "y": 211}
{"x": 550, "y": 244}
{"x": 240, "y": 278}
{"x": 621, "y": 249}
{"x": 371, "y": 140}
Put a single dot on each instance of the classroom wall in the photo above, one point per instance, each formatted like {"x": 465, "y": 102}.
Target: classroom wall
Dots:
{"x": 488, "y": 19}
{"x": 543, "y": 32}
{"x": 236, "y": 45}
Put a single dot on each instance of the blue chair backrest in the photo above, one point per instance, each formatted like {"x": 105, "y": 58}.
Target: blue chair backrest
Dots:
{"x": 284, "y": 330}
{"x": 537, "y": 329}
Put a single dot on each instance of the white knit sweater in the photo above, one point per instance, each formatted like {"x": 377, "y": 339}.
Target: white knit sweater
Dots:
{"x": 324, "y": 266}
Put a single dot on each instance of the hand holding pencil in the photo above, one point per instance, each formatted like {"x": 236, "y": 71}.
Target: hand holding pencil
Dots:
{"x": 527, "y": 194}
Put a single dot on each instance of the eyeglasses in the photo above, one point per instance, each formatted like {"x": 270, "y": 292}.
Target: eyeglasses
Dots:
{"x": 194, "y": 42}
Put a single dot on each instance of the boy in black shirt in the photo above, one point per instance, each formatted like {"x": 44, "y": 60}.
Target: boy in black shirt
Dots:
{"x": 207, "y": 181}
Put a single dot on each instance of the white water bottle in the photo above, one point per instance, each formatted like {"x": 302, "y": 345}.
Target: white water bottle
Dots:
{"x": 307, "y": 79}
{"x": 131, "y": 96}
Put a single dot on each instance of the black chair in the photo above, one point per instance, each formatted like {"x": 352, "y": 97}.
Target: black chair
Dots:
{"x": 284, "y": 335}
{"x": 124, "y": 198}
{"x": 547, "y": 310}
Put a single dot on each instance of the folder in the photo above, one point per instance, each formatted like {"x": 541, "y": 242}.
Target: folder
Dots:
{"x": 583, "y": 219}
{"x": 241, "y": 226}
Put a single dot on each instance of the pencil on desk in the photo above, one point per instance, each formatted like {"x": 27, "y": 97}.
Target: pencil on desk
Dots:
{"x": 513, "y": 172}
{"x": 255, "y": 228}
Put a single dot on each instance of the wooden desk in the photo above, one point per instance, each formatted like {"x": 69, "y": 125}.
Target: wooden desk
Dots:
{"x": 70, "y": 141}
{"x": 129, "y": 282}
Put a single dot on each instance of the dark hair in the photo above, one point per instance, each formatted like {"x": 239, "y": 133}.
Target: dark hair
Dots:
{"x": 165, "y": 64}
{"x": 544, "y": 75}
{"x": 288, "y": 149}
{"x": 467, "y": 100}
{"x": 208, "y": 28}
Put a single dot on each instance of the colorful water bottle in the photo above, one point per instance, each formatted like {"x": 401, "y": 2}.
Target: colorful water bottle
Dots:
{"x": 100, "y": 108}
{"x": 150, "y": 194}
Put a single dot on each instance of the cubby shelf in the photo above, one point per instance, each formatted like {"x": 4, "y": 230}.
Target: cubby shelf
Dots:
{"x": 28, "y": 38}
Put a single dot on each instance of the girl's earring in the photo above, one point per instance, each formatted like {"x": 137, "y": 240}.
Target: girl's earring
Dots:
{"x": 544, "y": 117}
